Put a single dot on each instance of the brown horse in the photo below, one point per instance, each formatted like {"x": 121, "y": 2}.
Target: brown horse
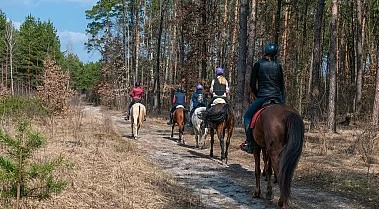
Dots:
{"x": 179, "y": 118}
{"x": 220, "y": 118}
{"x": 279, "y": 134}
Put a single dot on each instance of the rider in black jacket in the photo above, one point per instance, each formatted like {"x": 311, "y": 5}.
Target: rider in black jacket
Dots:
{"x": 269, "y": 75}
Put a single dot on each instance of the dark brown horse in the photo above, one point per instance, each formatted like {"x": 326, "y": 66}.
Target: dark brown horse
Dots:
{"x": 279, "y": 134}
{"x": 220, "y": 118}
{"x": 179, "y": 118}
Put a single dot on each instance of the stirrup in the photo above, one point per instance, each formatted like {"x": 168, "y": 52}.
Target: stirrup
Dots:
{"x": 245, "y": 147}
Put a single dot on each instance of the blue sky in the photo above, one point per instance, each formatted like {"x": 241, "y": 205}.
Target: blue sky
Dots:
{"x": 67, "y": 16}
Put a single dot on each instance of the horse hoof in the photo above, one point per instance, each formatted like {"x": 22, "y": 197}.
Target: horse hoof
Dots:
{"x": 256, "y": 194}
{"x": 269, "y": 196}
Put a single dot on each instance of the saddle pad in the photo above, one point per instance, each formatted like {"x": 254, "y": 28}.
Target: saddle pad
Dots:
{"x": 179, "y": 106}
{"x": 218, "y": 101}
{"x": 256, "y": 115}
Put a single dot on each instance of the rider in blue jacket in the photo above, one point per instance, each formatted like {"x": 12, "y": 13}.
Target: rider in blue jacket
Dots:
{"x": 178, "y": 99}
{"x": 198, "y": 99}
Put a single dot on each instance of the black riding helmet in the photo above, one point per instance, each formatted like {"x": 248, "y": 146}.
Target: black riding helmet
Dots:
{"x": 270, "y": 49}
{"x": 179, "y": 89}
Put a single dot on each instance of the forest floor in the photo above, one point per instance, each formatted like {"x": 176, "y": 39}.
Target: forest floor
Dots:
{"x": 231, "y": 186}
{"x": 109, "y": 169}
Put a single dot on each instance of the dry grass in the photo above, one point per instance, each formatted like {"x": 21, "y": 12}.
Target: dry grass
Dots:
{"x": 104, "y": 170}
{"x": 345, "y": 163}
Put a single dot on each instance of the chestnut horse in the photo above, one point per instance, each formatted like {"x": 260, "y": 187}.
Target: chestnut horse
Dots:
{"x": 220, "y": 118}
{"x": 279, "y": 134}
{"x": 138, "y": 115}
{"x": 179, "y": 118}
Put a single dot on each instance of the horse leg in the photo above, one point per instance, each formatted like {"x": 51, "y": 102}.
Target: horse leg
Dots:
{"x": 196, "y": 139}
{"x": 283, "y": 203}
{"x": 257, "y": 160}
{"x": 212, "y": 132}
{"x": 268, "y": 171}
{"x": 132, "y": 127}
{"x": 181, "y": 134}
{"x": 222, "y": 146}
{"x": 230, "y": 132}
{"x": 203, "y": 138}
{"x": 172, "y": 130}
{"x": 220, "y": 135}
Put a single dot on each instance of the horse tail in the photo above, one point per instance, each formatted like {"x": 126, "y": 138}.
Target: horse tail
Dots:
{"x": 291, "y": 153}
{"x": 139, "y": 115}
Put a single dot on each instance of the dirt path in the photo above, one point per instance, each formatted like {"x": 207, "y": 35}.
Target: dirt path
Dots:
{"x": 219, "y": 186}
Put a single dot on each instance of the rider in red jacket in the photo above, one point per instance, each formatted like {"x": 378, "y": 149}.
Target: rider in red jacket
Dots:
{"x": 136, "y": 93}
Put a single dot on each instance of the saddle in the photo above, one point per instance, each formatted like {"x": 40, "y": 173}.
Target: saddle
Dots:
{"x": 179, "y": 106}
{"x": 266, "y": 104}
{"x": 218, "y": 101}
{"x": 217, "y": 115}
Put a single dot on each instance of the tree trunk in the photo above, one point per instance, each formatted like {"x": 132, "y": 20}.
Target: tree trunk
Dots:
{"x": 241, "y": 64}
{"x": 375, "y": 112}
{"x": 314, "y": 96}
{"x": 332, "y": 68}
{"x": 138, "y": 11}
{"x": 277, "y": 21}
{"x": 10, "y": 39}
{"x": 157, "y": 94}
{"x": 234, "y": 40}
{"x": 223, "y": 46}
{"x": 358, "y": 101}
{"x": 204, "y": 41}
{"x": 250, "y": 53}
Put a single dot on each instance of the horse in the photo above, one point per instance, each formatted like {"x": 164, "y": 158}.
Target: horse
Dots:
{"x": 220, "y": 118}
{"x": 199, "y": 130}
{"x": 279, "y": 133}
{"x": 179, "y": 118}
{"x": 138, "y": 115}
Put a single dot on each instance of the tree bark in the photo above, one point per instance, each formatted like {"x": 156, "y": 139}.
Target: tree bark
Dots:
{"x": 332, "y": 68}
{"x": 314, "y": 96}
{"x": 250, "y": 53}
{"x": 204, "y": 41}
{"x": 241, "y": 68}
{"x": 277, "y": 21}
{"x": 11, "y": 40}
{"x": 157, "y": 94}
{"x": 359, "y": 62}
{"x": 375, "y": 112}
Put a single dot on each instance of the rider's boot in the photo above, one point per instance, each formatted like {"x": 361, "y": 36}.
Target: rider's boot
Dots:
{"x": 189, "y": 123}
{"x": 248, "y": 146}
{"x": 127, "y": 115}
{"x": 170, "y": 121}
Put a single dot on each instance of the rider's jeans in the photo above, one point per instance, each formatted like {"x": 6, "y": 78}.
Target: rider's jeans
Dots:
{"x": 251, "y": 110}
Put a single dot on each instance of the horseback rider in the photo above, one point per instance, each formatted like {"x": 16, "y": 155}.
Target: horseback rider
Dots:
{"x": 219, "y": 87}
{"x": 136, "y": 93}
{"x": 198, "y": 99}
{"x": 269, "y": 75}
{"x": 178, "y": 99}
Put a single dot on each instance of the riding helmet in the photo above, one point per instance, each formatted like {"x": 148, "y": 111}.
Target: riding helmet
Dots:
{"x": 270, "y": 48}
{"x": 219, "y": 71}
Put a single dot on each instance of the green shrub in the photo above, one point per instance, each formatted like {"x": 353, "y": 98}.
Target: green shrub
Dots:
{"x": 18, "y": 106}
{"x": 20, "y": 176}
